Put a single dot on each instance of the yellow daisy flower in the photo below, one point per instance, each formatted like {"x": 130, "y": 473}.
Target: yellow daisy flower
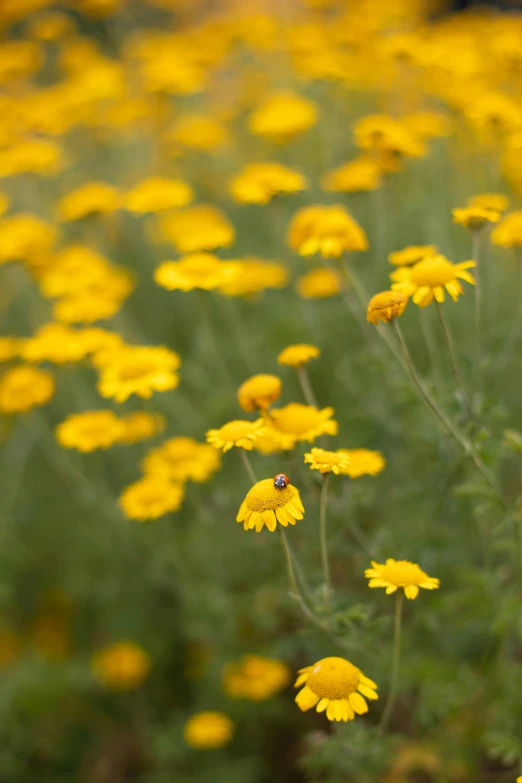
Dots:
{"x": 386, "y": 305}
{"x": 427, "y": 279}
{"x": 475, "y": 217}
{"x": 24, "y": 387}
{"x": 282, "y": 116}
{"x": 199, "y": 270}
{"x": 198, "y": 132}
{"x": 255, "y": 678}
{"x": 400, "y": 573}
{"x": 298, "y": 422}
{"x": 328, "y": 230}
{"x": 494, "y": 201}
{"x": 150, "y": 498}
{"x": 360, "y": 174}
{"x": 258, "y": 183}
{"x": 92, "y": 198}
{"x": 239, "y": 433}
{"x": 140, "y": 370}
{"x": 182, "y": 459}
{"x": 297, "y": 355}
{"x": 258, "y": 392}
{"x": 412, "y": 254}
{"x": 508, "y": 233}
{"x": 122, "y": 666}
{"x": 27, "y": 238}
{"x": 208, "y": 730}
{"x": 328, "y": 461}
{"x": 363, "y": 462}
{"x": 266, "y": 504}
{"x": 141, "y": 425}
{"x": 156, "y": 194}
{"x": 10, "y": 347}
{"x": 197, "y": 228}
{"x": 90, "y": 430}
{"x": 336, "y": 686}
{"x": 253, "y": 275}
{"x": 319, "y": 283}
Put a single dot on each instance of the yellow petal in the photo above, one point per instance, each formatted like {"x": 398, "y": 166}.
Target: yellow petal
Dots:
{"x": 323, "y": 704}
{"x": 330, "y": 711}
{"x": 301, "y": 679}
{"x": 391, "y": 589}
{"x": 358, "y": 703}
{"x": 306, "y": 699}
{"x": 367, "y": 681}
{"x": 366, "y": 691}
{"x": 411, "y": 592}
{"x": 270, "y": 520}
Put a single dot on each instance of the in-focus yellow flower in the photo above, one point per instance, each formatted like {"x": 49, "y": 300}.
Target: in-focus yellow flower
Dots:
{"x": 92, "y": 198}
{"x": 336, "y": 686}
{"x": 198, "y": 270}
{"x": 239, "y": 433}
{"x": 362, "y": 173}
{"x": 508, "y": 233}
{"x": 328, "y": 461}
{"x": 156, "y": 194}
{"x": 182, "y": 459}
{"x": 386, "y": 305}
{"x": 363, "y": 462}
{"x": 297, "y": 422}
{"x": 494, "y": 201}
{"x": 90, "y": 430}
{"x": 198, "y": 132}
{"x": 282, "y": 116}
{"x": 253, "y": 275}
{"x": 297, "y": 355}
{"x": 258, "y": 183}
{"x": 400, "y": 573}
{"x": 197, "y": 228}
{"x": 319, "y": 283}
{"x": 122, "y": 666}
{"x": 140, "y": 370}
{"x": 328, "y": 230}
{"x": 150, "y": 498}
{"x": 266, "y": 504}
{"x": 427, "y": 279}
{"x": 24, "y": 387}
{"x": 255, "y": 678}
{"x": 412, "y": 254}
{"x": 141, "y": 425}
{"x": 258, "y": 392}
{"x": 475, "y": 217}
{"x": 208, "y": 730}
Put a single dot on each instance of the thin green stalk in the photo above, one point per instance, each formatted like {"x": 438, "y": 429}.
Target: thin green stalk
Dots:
{"x": 453, "y": 358}
{"x": 475, "y": 256}
{"x": 392, "y": 693}
{"x": 247, "y": 466}
{"x": 322, "y": 531}
{"x": 306, "y": 386}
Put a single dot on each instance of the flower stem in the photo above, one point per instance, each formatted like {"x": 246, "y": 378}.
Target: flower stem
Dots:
{"x": 475, "y": 255}
{"x": 453, "y": 357}
{"x": 322, "y": 530}
{"x": 248, "y": 467}
{"x": 392, "y": 693}
{"x": 306, "y": 386}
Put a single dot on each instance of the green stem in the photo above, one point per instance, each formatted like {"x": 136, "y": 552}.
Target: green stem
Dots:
{"x": 453, "y": 358}
{"x": 248, "y": 467}
{"x": 306, "y": 386}
{"x": 322, "y": 531}
{"x": 475, "y": 255}
{"x": 392, "y": 694}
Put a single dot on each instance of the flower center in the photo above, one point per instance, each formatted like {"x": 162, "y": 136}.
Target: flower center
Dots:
{"x": 133, "y": 372}
{"x": 295, "y": 419}
{"x": 234, "y": 430}
{"x": 403, "y": 573}
{"x": 432, "y": 272}
{"x": 265, "y": 497}
{"x": 333, "y": 678}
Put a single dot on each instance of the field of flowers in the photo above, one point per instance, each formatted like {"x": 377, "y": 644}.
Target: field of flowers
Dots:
{"x": 260, "y": 403}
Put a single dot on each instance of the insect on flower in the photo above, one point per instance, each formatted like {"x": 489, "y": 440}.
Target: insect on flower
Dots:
{"x": 281, "y": 481}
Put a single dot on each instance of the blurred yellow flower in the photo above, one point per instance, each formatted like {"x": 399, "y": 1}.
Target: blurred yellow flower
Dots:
{"x": 400, "y": 573}
{"x": 281, "y": 116}
{"x": 266, "y": 504}
{"x": 386, "y": 305}
{"x": 258, "y": 183}
{"x": 156, "y": 194}
{"x": 335, "y": 685}
{"x": 92, "y": 198}
{"x": 72, "y": 269}
{"x": 241, "y": 434}
{"x": 90, "y": 430}
{"x": 255, "y": 678}
{"x": 198, "y": 270}
{"x": 412, "y": 254}
{"x": 25, "y": 237}
{"x": 297, "y": 355}
{"x": 475, "y": 217}
{"x": 428, "y": 124}
{"x": 328, "y": 230}
{"x": 328, "y": 461}
{"x": 253, "y": 276}
{"x": 427, "y": 279}
{"x": 150, "y": 498}
{"x": 382, "y": 133}
{"x": 297, "y": 422}
{"x": 258, "y": 392}
{"x": 508, "y": 233}
{"x": 362, "y": 462}
{"x": 197, "y": 228}
{"x": 31, "y": 157}
{"x": 198, "y": 132}
{"x": 122, "y": 666}
{"x": 208, "y": 730}
{"x": 140, "y": 370}
{"x": 141, "y": 425}
{"x": 182, "y": 459}
{"x": 362, "y": 173}
{"x": 494, "y": 201}
{"x": 54, "y": 342}
{"x": 9, "y": 348}
{"x": 24, "y": 387}
{"x": 319, "y": 283}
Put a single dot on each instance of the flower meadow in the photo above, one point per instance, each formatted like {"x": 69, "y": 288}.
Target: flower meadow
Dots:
{"x": 260, "y": 411}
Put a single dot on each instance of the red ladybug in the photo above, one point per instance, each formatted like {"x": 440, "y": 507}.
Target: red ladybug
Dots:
{"x": 281, "y": 481}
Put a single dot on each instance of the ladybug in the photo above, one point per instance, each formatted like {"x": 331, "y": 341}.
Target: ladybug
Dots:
{"x": 281, "y": 481}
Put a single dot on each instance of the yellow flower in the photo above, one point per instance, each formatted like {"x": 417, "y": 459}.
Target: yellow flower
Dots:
{"x": 156, "y": 194}
{"x": 297, "y": 422}
{"x": 385, "y": 134}
{"x": 363, "y": 462}
{"x": 297, "y": 355}
{"x": 92, "y": 198}
{"x": 255, "y": 678}
{"x": 328, "y": 461}
{"x": 150, "y": 498}
{"x": 359, "y": 174}
{"x": 90, "y": 430}
{"x": 55, "y": 343}
{"x": 508, "y": 233}
{"x": 139, "y": 369}
{"x": 386, "y": 305}
{"x": 258, "y": 392}
{"x": 328, "y": 230}
{"x": 319, "y": 283}
{"x": 75, "y": 268}
{"x": 122, "y": 666}
{"x": 475, "y": 217}
{"x": 428, "y": 124}
{"x": 272, "y": 441}
{"x": 25, "y": 237}
{"x": 31, "y": 157}
{"x": 282, "y": 116}
{"x": 141, "y": 425}
{"x": 412, "y": 254}
{"x": 198, "y": 132}
{"x": 267, "y": 505}
{"x": 400, "y": 573}
{"x": 254, "y": 276}
{"x": 427, "y": 279}
{"x": 24, "y": 387}
{"x": 519, "y": 779}
{"x": 9, "y": 348}
{"x": 197, "y": 228}
{"x": 494, "y": 201}
{"x": 241, "y": 434}
{"x": 101, "y": 346}
{"x": 258, "y": 183}
{"x": 182, "y": 459}
{"x": 208, "y": 730}
{"x": 199, "y": 270}
{"x": 337, "y": 686}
